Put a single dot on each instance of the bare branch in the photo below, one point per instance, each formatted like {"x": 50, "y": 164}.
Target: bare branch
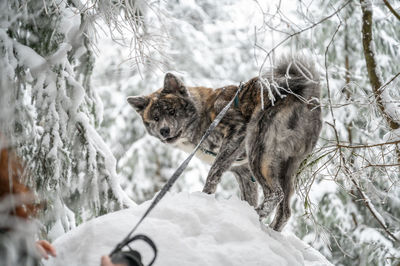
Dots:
{"x": 367, "y": 145}
{"x": 382, "y": 165}
{"x": 327, "y": 73}
{"x": 388, "y": 82}
{"x": 391, "y": 9}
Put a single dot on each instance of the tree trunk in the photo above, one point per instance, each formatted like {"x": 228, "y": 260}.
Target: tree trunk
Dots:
{"x": 372, "y": 67}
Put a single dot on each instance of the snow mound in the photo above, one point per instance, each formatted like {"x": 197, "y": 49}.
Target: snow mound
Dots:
{"x": 188, "y": 229}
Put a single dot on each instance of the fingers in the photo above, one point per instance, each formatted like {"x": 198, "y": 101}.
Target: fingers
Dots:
{"x": 106, "y": 261}
{"x": 45, "y": 248}
{"x": 42, "y": 251}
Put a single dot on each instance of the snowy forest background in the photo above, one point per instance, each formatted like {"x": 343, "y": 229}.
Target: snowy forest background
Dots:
{"x": 66, "y": 68}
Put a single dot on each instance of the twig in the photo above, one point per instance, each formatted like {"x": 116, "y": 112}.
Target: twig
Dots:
{"x": 327, "y": 73}
{"x": 388, "y": 82}
{"x": 367, "y": 145}
{"x": 382, "y": 165}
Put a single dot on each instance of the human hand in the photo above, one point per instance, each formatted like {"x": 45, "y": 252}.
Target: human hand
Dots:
{"x": 45, "y": 248}
{"x": 106, "y": 261}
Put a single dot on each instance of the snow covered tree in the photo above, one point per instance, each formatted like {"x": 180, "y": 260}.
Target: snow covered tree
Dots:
{"x": 53, "y": 111}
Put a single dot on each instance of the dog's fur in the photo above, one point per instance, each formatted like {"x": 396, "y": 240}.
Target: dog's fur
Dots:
{"x": 266, "y": 144}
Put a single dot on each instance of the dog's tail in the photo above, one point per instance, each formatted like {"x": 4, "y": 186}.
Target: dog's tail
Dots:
{"x": 294, "y": 75}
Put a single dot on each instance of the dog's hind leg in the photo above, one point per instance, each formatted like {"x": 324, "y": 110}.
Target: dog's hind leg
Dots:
{"x": 263, "y": 153}
{"x": 283, "y": 211}
{"x": 264, "y": 168}
{"x": 273, "y": 193}
{"x": 248, "y": 186}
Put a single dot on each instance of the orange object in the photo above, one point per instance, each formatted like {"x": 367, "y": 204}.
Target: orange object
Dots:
{"x": 12, "y": 169}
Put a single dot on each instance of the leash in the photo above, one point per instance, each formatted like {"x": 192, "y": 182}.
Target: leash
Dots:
{"x": 117, "y": 251}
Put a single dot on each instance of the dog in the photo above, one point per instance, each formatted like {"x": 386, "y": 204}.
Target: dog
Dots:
{"x": 273, "y": 125}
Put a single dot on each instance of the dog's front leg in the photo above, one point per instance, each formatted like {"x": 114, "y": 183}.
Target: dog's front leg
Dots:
{"x": 228, "y": 153}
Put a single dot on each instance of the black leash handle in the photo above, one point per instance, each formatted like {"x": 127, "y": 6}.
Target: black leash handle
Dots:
{"x": 148, "y": 241}
{"x": 177, "y": 173}
{"x": 133, "y": 257}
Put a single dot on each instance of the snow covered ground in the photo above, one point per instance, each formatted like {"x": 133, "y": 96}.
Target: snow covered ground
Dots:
{"x": 188, "y": 229}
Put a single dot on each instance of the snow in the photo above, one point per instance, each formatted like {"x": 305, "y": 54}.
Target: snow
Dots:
{"x": 188, "y": 229}
{"x": 29, "y": 58}
{"x": 371, "y": 235}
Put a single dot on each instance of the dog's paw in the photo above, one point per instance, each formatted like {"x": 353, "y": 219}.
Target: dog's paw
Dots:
{"x": 209, "y": 189}
{"x": 264, "y": 210}
{"x": 262, "y": 213}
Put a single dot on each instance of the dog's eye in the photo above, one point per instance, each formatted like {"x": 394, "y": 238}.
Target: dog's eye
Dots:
{"x": 156, "y": 118}
{"x": 171, "y": 112}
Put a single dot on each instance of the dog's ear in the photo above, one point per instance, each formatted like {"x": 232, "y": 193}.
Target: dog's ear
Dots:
{"x": 139, "y": 103}
{"x": 174, "y": 85}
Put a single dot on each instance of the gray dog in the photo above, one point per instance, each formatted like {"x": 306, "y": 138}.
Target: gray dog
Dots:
{"x": 259, "y": 144}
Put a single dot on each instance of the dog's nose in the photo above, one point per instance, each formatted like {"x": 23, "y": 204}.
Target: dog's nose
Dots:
{"x": 164, "y": 132}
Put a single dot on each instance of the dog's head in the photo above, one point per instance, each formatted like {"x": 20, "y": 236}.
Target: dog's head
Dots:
{"x": 168, "y": 112}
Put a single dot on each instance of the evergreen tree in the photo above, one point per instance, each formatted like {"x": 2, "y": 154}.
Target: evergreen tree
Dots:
{"x": 46, "y": 67}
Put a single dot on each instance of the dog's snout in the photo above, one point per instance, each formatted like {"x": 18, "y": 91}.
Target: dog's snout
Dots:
{"x": 164, "y": 132}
